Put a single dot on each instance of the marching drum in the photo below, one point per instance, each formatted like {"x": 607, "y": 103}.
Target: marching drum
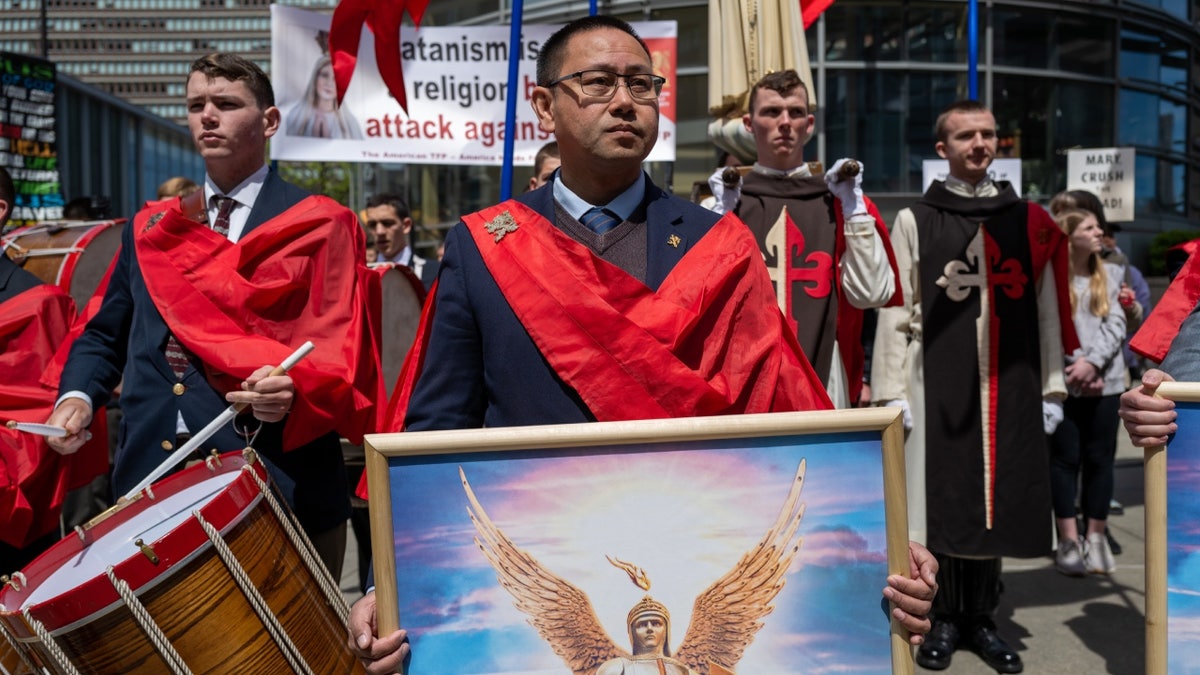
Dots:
{"x": 74, "y": 255}
{"x": 203, "y": 572}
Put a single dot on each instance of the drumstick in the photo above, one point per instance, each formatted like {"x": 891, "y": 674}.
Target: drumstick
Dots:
{"x": 214, "y": 426}
{"x": 35, "y": 428}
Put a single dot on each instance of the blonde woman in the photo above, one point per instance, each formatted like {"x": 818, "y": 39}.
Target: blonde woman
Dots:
{"x": 1085, "y": 444}
{"x": 318, "y": 114}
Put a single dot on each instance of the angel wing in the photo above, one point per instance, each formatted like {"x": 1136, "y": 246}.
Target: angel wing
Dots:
{"x": 560, "y": 611}
{"x": 726, "y": 616}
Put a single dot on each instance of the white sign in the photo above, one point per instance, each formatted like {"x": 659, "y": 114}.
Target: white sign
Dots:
{"x": 456, "y": 79}
{"x": 1006, "y": 169}
{"x": 1107, "y": 173}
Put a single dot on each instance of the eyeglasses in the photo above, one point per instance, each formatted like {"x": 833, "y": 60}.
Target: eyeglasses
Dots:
{"x": 603, "y": 83}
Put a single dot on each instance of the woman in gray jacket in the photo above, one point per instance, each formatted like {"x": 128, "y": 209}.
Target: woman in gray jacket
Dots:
{"x": 1086, "y": 442}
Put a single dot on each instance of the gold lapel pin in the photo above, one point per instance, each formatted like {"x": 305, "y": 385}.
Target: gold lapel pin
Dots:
{"x": 674, "y": 240}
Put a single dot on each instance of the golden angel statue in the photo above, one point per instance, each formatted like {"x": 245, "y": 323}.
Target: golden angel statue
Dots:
{"x": 725, "y": 616}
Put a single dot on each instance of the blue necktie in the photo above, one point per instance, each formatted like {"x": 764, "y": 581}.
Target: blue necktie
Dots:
{"x": 600, "y": 220}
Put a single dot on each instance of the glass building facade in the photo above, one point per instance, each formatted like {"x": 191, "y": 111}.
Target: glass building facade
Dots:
{"x": 1059, "y": 75}
{"x": 109, "y": 147}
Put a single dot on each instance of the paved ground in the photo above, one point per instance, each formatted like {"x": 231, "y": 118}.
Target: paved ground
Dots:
{"x": 1069, "y": 625}
{"x": 1059, "y": 624}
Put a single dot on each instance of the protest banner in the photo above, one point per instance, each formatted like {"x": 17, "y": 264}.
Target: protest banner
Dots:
{"x": 456, "y": 79}
{"x": 1107, "y": 173}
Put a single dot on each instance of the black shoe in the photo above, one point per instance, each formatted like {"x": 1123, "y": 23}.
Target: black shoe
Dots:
{"x": 994, "y": 651}
{"x": 935, "y": 652}
{"x": 1112, "y": 543}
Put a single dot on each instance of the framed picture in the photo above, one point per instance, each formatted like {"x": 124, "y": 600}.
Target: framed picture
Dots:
{"x": 747, "y": 544}
{"x": 1172, "y": 488}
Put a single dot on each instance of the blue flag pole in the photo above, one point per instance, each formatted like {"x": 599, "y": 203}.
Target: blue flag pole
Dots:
{"x": 973, "y": 49}
{"x": 514, "y": 93}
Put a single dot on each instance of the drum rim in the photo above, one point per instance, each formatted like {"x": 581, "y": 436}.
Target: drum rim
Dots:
{"x": 96, "y": 596}
{"x": 88, "y": 232}
{"x": 67, "y": 271}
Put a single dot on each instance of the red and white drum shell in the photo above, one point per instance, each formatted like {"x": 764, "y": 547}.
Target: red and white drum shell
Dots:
{"x": 201, "y": 573}
{"x": 73, "y": 255}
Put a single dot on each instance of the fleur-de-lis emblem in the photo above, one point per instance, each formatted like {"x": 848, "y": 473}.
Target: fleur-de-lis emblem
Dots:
{"x": 501, "y": 225}
{"x": 673, "y": 241}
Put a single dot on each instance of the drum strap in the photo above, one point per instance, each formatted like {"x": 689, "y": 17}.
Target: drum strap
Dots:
{"x": 192, "y": 207}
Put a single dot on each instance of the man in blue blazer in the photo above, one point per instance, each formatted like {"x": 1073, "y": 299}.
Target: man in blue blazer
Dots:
{"x": 600, "y": 297}
{"x": 167, "y": 393}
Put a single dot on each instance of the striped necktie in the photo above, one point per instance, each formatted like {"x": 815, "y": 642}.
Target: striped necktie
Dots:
{"x": 224, "y": 208}
{"x": 600, "y": 220}
{"x": 176, "y": 355}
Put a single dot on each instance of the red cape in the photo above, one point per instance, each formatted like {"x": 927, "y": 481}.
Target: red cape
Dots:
{"x": 33, "y": 478}
{"x": 710, "y": 341}
{"x": 1048, "y": 243}
{"x": 1158, "y": 331}
{"x": 298, "y": 277}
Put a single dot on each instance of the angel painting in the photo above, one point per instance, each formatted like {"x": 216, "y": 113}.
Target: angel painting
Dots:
{"x": 731, "y": 556}
{"x": 724, "y": 619}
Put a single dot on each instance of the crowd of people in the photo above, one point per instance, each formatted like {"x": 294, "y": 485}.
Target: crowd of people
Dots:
{"x": 1000, "y": 331}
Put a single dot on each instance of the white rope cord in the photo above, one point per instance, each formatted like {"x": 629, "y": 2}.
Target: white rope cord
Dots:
{"x": 16, "y": 647}
{"x": 333, "y": 595}
{"x": 61, "y": 663}
{"x": 162, "y": 644}
{"x": 268, "y": 618}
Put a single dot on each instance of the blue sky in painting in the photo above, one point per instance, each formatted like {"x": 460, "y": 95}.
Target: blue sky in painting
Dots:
{"x": 1183, "y": 542}
{"x": 684, "y": 513}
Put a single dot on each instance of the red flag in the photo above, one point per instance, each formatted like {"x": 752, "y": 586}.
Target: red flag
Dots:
{"x": 811, "y": 9}
{"x": 383, "y": 17}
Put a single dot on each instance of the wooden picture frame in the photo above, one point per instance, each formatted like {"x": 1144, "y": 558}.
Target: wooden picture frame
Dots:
{"x": 684, "y": 501}
{"x": 1172, "y": 509}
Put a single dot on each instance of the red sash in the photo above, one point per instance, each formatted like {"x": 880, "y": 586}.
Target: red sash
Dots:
{"x": 298, "y": 277}
{"x": 711, "y": 341}
{"x": 33, "y": 478}
{"x": 1157, "y": 333}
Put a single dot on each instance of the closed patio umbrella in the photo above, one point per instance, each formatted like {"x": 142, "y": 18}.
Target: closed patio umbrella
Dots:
{"x": 748, "y": 39}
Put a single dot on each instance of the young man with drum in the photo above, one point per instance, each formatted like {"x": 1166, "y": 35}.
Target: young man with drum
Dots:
{"x": 524, "y": 280}
{"x": 193, "y": 311}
